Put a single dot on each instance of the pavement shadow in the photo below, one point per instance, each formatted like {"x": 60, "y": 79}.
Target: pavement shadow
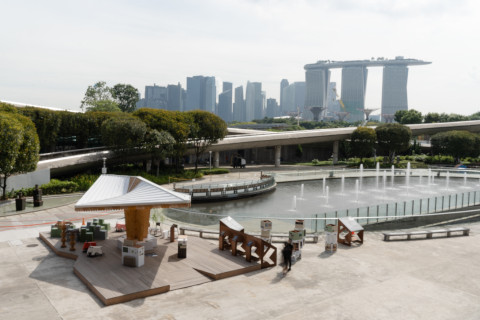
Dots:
{"x": 57, "y": 271}
{"x": 326, "y": 254}
{"x": 279, "y": 277}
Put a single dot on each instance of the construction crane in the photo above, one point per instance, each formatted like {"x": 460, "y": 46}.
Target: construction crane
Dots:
{"x": 340, "y": 100}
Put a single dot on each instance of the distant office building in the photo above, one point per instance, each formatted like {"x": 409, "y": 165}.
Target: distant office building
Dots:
{"x": 225, "y": 103}
{"x": 316, "y": 87}
{"x": 394, "y": 89}
{"x": 175, "y": 97}
{"x": 210, "y": 94}
{"x": 260, "y": 113}
{"x": 294, "y": 98}
{"x": 272, "y": 108}
{"x": 201, "y": 94}
{"x": 254, "y": 101}
{"x": 155, "y": 97}
{"x": 283, "y": 84}
{"x": 239, "y": 112}
{"x": 354, "y": 87}
{"x": 194, "y": 93}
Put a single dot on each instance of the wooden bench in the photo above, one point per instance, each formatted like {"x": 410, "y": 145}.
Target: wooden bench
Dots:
{"x": 428, "y": 233}
{"x": 314, "y": 237}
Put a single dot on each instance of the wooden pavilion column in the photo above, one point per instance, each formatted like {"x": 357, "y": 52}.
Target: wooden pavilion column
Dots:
{"x": 137, "y": 221}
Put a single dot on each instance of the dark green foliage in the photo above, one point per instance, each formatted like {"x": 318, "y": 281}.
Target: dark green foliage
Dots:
{"x": 29, "y": 149}
{"x": 126, "y": 97}
{"x": 214, "y": 171}
{"x": 456, "y": 144}
{"x": 438, "y": 159}
{"x": 160, "y": 144}
{"x": 53, "y": 187}
{"x": 206, "y": 128}
{"x": 362, "y": 142}
{"x": 393, "y": 138}
{"x": 48, "y": 124}
{"x": 123, "y": 132}
{"x": 408, "y": 117}
{"x": 19, "y": 147}
{"x": 84, "y": 181}
{"x": 174, "y": 122}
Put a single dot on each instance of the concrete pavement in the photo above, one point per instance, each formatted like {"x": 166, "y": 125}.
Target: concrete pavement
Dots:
{"x": 418, "y": 279}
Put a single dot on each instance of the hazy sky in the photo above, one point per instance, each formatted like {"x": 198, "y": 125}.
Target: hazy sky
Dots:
{"x": 51, "y": 51}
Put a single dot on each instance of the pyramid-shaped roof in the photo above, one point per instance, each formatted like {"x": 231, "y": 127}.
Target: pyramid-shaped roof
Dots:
{"x": 119, "y": 192}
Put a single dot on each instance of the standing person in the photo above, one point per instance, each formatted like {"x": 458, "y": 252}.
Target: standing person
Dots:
{"x": 287, "y": 256}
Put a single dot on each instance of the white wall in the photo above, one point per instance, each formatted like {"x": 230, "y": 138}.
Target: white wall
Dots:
{"x": 28, "y": 180}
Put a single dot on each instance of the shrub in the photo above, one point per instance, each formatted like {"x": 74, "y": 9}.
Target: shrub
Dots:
{"x": 214, "y": 171}
{"x": 53, "y": 187}
{"x": 84, "y": 181}
{"x": 440, "y": 159}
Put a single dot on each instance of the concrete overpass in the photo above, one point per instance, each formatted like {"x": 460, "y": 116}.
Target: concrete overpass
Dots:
{"x": 247, "y": 139}
{"x": 278, "y": 139}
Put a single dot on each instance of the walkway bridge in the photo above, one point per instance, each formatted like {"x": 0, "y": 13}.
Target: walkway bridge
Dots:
{"x": 247, "y": 139}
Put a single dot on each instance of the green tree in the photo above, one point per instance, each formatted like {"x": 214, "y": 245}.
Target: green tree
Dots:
{"x": 123, "y": 133}
{"x": 98, "y": 98}
{"x": 432, "y": 117}
{"x": 393, "y": 138}
{"x": 48, "y": 124}
{"x": 177, "y": 123}
{"x": 411, "y": 116}
{"x": 126, "y": 97}
{"x": 160, "y": 145}
{"x": 455, "y": 143}
{"x": 19, "y": 147}
{"x": 362, "y": 142}
{"x": 205, "y": 129}
{"x": 456, "y": 117}
{"x": 399, "y": 115}
{"x": 104, "y": 106}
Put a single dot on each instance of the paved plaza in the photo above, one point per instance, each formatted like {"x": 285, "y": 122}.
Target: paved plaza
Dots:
{"x": 416, "y": 279}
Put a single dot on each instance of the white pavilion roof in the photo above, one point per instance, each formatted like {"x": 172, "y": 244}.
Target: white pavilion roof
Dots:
{"x": 118, "y": 192}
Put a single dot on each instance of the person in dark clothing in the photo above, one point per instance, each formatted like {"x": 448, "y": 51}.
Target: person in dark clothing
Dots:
{"x": 287, "y": 256}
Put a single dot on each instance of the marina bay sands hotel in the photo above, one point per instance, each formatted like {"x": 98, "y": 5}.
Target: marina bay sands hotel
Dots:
{"x": 354, "y": 84}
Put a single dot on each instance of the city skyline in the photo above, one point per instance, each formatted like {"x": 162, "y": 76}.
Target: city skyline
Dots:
{"x": 53, "y": 55}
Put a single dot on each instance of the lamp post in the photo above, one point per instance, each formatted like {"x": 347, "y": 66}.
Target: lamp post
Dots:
{"x": 104, "y": 169}
{"x": 210, "y": 162}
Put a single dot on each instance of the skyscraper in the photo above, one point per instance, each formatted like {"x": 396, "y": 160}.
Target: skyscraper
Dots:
{"x": 283, "y": 85}
{"x": 155, "y": 97}
{"x": 394, "y": 89}
{"x": 294, "y": 98}
{"x": 174, "y": 97}
{"x": 201, "y": 93}
{"x": 239, "y": 105}
{"x": 316, "y": 88}
{"x": 272, "y": 108}
{"x": 254, "y": 101}
{"x": 210, "y": 94}
{"x": 354, "y": 86}
{"x": 194, "y": 96}
{"x": 225, "y": 102}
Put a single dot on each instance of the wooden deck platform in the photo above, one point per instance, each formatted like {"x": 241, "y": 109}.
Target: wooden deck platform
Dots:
{"x": 114, "y": 283}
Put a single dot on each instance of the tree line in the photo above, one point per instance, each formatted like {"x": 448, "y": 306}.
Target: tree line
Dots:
{"x": 27, "y": 131}
{"x": 413, "y": 116}
{"x": 391, "y": 139}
